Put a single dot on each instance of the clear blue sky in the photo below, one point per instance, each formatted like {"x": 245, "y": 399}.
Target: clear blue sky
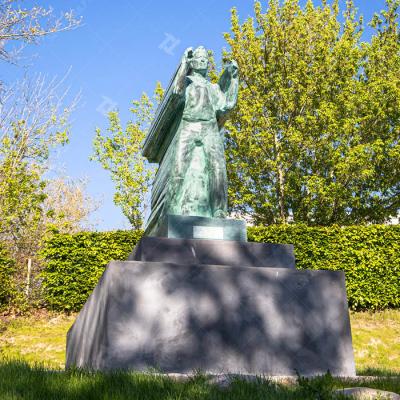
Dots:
{"x": 117, "y": 54}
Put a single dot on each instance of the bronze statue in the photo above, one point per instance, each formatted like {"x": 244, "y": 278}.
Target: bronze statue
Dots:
{"x": 186, "y": 138}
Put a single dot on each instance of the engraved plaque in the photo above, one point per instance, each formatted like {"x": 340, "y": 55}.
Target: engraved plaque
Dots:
{"x": 208, "y": 232}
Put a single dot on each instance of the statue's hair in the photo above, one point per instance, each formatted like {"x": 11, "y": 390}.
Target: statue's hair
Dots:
{"x": 199, "y": 50}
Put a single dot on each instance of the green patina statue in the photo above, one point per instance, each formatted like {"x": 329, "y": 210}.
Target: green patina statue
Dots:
{"x": 186, "y": 139}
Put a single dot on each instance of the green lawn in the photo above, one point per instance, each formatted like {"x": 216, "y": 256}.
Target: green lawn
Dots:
{"x": 25, "y": 342}
{"x": 20, "y": 380}
{"x": 376, "y": 341}
{"x": 39, "y": 338}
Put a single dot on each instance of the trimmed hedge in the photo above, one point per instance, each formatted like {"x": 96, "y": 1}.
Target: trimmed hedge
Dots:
{"x": 369, "y": 255}
{"x": 74, "y": 264}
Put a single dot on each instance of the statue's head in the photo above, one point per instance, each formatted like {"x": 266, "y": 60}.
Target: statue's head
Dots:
{"x": 199, "y": 61}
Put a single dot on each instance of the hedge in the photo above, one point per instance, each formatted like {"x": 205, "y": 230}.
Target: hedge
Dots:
{"x": 7, "y": 269}
{"x": 74, "y": 264}
{"x": 369, "y": 255}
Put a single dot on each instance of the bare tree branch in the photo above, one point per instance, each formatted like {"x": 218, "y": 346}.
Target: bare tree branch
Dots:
{"x": 24, "y": 25}
{"x": 34, "y": 117}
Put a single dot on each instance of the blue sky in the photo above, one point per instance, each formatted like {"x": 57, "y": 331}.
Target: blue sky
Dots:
{"x": 122, "y": 49}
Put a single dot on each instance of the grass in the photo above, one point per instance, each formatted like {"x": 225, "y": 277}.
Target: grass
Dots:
{"x": 32, "y": 351}
{"x": 36, "y": 339}
{"x": 376, "y": 341}
{"x": 20, "y": 380}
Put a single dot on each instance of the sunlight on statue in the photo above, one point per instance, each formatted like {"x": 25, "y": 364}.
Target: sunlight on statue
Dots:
{"x": 187, "y": 139}
{"x": 200, "y": 182}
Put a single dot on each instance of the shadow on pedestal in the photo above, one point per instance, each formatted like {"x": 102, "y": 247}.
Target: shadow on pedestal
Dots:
{"x": 217, "y": 319}
{"x": 218, "y": 252}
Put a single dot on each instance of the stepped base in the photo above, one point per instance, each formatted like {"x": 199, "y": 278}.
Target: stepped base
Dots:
{"x": 215, "y": 252}
{"x": 216, "y": 319}
{"x": 191, "y": 227}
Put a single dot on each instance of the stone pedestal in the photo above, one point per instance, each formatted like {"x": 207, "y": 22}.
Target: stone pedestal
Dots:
{"x": 214, "y": 318}
{"x": 190, "y": 227}
{"x": 218, "y": 252}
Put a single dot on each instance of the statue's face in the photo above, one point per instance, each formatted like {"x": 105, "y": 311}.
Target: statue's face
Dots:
{"x": 200, "y": 62}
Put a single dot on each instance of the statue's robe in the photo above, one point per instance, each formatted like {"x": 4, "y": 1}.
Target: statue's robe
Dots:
{"x": 186, "y": 139}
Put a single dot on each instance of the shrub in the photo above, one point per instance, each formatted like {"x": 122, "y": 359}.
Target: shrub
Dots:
{"x": 74, "y": 264}
{"x": 7, "y": 290}
{"x": 369, "y": 256}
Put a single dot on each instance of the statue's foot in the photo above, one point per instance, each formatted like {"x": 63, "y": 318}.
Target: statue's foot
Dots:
{"x": 219, "y": 214}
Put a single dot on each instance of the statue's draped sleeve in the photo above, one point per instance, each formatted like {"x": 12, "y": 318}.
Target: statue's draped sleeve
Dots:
{"x": 229, "y": 87}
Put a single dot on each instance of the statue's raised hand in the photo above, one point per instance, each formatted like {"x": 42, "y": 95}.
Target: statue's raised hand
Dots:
{"x": 232, "y": 68}
{"x": 187, "y": 55}
{"x": 184, "y": 67}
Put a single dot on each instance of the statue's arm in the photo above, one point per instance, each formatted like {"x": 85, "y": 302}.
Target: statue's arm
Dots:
{"x": 183, "y": 70}
{"x": 229, "y": 85}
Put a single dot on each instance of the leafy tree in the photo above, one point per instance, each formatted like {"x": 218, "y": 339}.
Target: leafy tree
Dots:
{"x": 33, "y": 120}
{"x": 316, "y": 131}
{"x": 119, "y": 151}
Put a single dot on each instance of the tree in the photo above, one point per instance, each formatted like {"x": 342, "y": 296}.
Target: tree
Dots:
{"x": 34, "y": 115}
{"x": 33, "y": 120}
{"x": 24, "y": 25}
{"x": 67, "y": 206}
{"x": 316, "y": 132}
{"x": 119, "y": 151}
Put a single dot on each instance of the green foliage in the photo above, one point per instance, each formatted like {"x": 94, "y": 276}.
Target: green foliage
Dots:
{"x": 74, "y": 264}
{"x": 119, "y": 151}
{"x": 316, "y": 129}
{"x": 369, "y": 256}
{"x": 6, "y": 274}
{"x": 34, "y": 122}
{"x": 21, "y": 199}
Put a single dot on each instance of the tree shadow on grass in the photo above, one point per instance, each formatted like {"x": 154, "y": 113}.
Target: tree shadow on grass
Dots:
{"x": 19, "y": 380}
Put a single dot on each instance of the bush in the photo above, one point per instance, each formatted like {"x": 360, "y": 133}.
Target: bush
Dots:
{"x": 369, "y": 256}
{"x": 74, "y": 264}
{"x": 7, "y": 291}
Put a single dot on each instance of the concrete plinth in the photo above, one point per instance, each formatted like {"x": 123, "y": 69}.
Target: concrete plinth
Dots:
{"x": 217, "y": 319}
{"x": 218, "y": 252}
